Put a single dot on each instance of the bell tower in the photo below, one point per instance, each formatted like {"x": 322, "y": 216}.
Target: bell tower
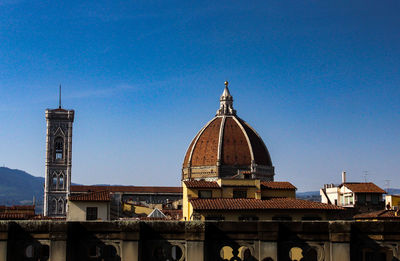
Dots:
{"x": 58, "y": 160}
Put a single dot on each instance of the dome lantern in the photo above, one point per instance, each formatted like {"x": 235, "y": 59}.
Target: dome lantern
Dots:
{"x": 226, "y": 103}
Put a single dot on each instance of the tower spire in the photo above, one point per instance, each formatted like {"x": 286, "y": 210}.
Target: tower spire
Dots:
{"x": 226, "y": 102}
{"x": 59, "y": 99}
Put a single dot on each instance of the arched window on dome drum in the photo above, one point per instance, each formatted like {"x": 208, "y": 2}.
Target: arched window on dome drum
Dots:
{"x": 59, "y": 148}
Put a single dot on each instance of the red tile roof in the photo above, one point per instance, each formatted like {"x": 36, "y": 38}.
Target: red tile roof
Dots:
{"x": 380, "y": 214}
{"x": 176, "y": 214}
{"x": 280, "y": 185}
{"x": 14, "y": 216}
{"x": 94, "y": 196}
{"x": 367, "y": 187}
{"x": 252, "y": 204}
{"x": 205, "y": 150}
{"x": 152, "y": 218}
{"x": 201, "y": 184}
{"x": 17, "y": 207}
{"x": 133, "y": 189}
{"x": 41, "y": 217}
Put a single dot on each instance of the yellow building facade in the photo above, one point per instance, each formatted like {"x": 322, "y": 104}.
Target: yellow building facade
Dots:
{"x": 247, "y": 200}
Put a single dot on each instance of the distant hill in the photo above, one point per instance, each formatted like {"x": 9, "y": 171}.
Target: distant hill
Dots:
{"x": 309, "y": 195}
{"x": 18, "y": 188}
{"x": 393, "y": 191}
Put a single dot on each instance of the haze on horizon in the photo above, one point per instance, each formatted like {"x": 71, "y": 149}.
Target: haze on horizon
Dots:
{"x": 318, "y": 80}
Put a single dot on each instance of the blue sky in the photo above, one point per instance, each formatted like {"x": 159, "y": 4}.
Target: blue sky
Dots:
{"x": 319, "y": 81}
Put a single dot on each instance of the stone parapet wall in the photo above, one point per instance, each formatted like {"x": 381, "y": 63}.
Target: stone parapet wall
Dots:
{"x": 199, "y": 241}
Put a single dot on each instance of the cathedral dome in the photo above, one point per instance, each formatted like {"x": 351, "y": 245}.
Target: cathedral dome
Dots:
{"x": 227, "y": 147}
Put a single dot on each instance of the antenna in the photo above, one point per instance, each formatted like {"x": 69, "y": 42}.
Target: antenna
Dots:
{"x": 59, "y": 101}
{"x": 365, "y": 175}
{"x": 387, "y": 185}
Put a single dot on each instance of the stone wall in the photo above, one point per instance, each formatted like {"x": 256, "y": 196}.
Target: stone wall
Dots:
{"x": 199, "y": 241}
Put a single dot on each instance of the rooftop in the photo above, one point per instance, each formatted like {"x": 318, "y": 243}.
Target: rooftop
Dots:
{"x": 17, "y": 207}
{"x": 93, "y": 196}
{"x": 363, "y": 187}
{"x": 279, "y": 185}
{"x": 14, "y": 216}
{"x": 201, "y": 184}
{"x": 258, "y": 204}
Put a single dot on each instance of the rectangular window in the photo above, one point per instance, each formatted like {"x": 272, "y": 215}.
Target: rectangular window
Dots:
{"x": 239, "y": 194}
{"x": 205, "y": 194}
{"x": 58, "y": 155}
{"x": 91, "y": 213}
{"x": 348, "y": 199}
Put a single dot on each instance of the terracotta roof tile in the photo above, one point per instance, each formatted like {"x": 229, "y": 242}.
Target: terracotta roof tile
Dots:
{"x": 380, "y": 214}
{"x": 205, "y": 151}
{"x": 260, "y": 151}
{"x": 41, "y": 217}
{"x": 235, "y": 149}
{"x": 368, "y": 187}
{"x": 278, "y": 185}
{"x": 133, "y": 189}
{"x": 253, "y": 204}
{"x": 18, "y": 207}
{"x": 201, "y": 184}
{"x": 186, "y": 160}
{"x": 176, "y": 214}
{"x": 152, "y": 218}
{"x": 13, "y": 216}
{"x": 94, "y": 196}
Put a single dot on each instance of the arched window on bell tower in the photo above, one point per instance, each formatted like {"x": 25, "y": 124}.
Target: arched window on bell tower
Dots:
{"x": 61, "y": 181}
{"x": 54, "y": 181}
{"x": 53, "y": 207}
{"x": 59, "y": 148}
{"x": 60, "y": 206}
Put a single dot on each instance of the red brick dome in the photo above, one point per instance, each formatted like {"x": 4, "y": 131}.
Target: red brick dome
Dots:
{"x": 227, "y": 147}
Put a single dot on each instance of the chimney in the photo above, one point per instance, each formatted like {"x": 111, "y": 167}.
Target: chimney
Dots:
{"x": 343, "y": 176}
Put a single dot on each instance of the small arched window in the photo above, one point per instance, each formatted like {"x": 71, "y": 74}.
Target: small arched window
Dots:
{"x": 61, "y": 182}
{"x": 59, "y": 148}
{"x": 54, "y": 181}
{"x": 53, "y": 207}
{"x": 60, "y": 206}
{"x": 29, "y": 251}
